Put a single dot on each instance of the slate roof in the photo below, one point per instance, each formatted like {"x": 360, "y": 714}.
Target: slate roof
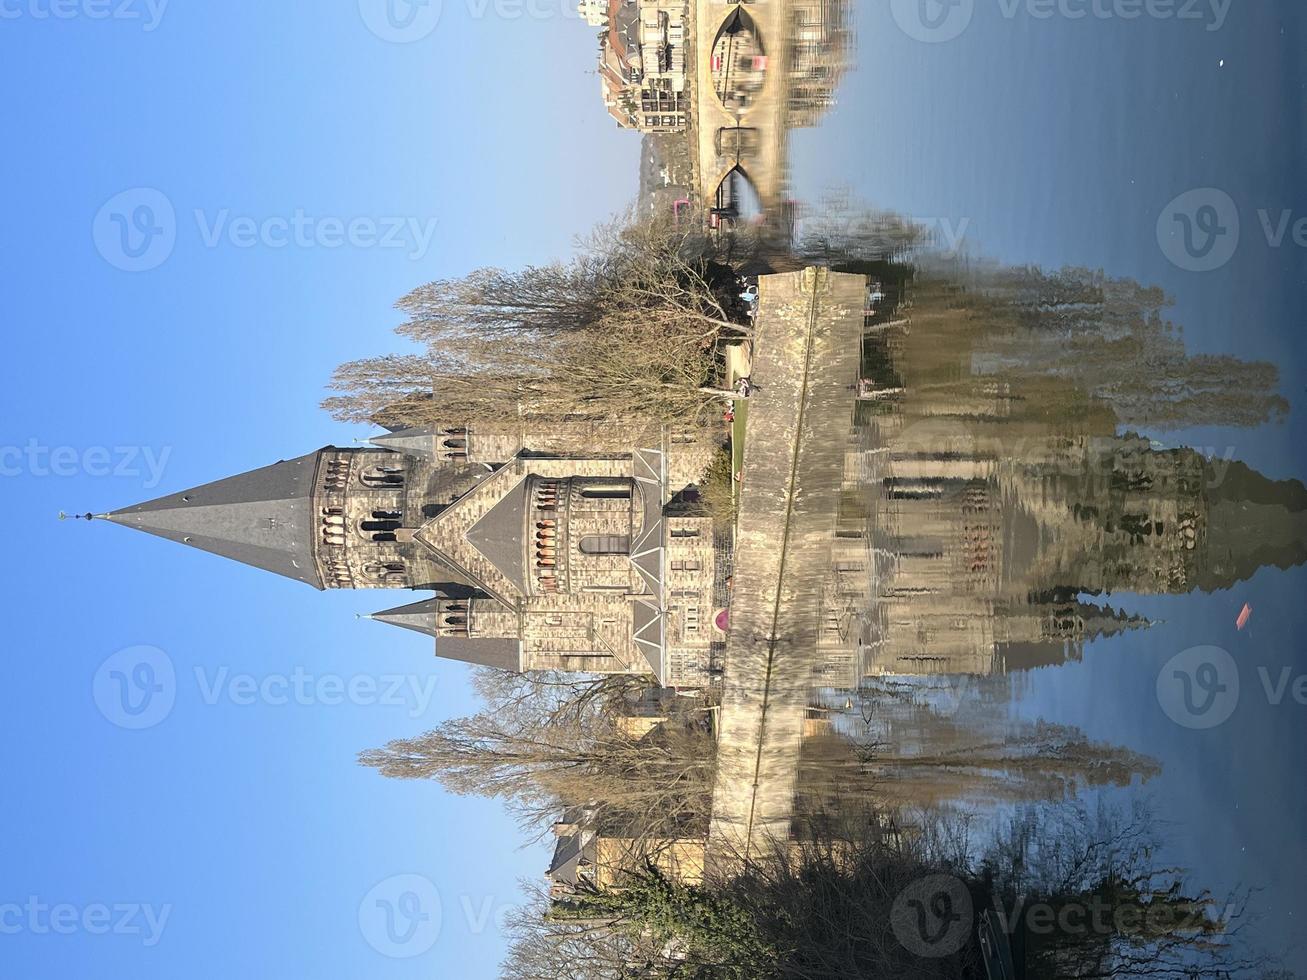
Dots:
{"x": 501, "y": 536}
{"x": 565, "y": 866}
{"x": 420, "y": 443}
{"x": 262, "y": 518}
{"x": 502, "y": 654}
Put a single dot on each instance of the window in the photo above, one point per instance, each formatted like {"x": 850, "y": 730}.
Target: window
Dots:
{"x": 685, "y": 532}
{"x": 383, "y": 475}
{"x": 607, "y": 493}
{"x": 391, "y": 571}
{"x": 605, "y": 544}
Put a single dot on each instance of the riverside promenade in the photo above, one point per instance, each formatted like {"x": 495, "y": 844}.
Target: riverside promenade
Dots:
{"x": 806, "y": 356}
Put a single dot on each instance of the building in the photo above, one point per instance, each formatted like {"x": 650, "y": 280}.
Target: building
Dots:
{"x": 588, "y": 859}
{"x": 544, "y": 549}
{"x": 642, "y": 64}
{"x": 593, "y": 12}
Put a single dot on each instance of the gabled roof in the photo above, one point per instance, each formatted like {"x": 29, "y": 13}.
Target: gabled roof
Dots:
{"x": 261, "y": 518}
{"x": 447, "y": 534}
{"x": 501, "y": 536}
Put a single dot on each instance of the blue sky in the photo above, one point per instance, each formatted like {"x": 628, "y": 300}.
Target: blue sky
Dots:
{"x": 251, "y": 822}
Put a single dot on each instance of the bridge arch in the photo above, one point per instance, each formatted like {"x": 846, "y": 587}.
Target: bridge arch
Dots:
{"x": 739, "y": 62}
{"x": 737, "y": 198}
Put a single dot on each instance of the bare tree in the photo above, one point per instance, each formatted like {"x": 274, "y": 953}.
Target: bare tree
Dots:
{"x": 547, "y": 743}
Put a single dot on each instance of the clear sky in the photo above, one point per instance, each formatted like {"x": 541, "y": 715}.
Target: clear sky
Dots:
{"x": 250, "y": 822}
{"x": 272, "y": 129}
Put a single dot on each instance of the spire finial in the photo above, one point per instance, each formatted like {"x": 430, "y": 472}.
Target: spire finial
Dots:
{"x": 76, "y": 517}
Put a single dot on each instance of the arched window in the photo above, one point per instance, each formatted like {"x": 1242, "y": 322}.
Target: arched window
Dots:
{"x": 390, "y": 571}
{"x": 607, "y": 493}
{"x": 605, "y": 544}
{"x": 383, "y": 476}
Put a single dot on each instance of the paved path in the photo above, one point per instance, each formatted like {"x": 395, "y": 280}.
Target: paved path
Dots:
{"x": 806, "y": 355}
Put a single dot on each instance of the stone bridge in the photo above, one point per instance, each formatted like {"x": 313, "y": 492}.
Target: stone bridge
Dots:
{"x": 740, "y": 141}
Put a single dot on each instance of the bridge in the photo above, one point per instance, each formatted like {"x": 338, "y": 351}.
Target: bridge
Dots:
{"x": 741, "y": 96}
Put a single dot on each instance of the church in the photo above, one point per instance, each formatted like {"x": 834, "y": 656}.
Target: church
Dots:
{"x": 537, "y": 557}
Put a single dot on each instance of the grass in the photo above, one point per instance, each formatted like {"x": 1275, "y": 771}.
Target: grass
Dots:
{"x": 737, "y": 439}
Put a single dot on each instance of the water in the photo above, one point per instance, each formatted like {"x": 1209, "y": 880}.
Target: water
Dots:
{"x": 1048, "y": 527}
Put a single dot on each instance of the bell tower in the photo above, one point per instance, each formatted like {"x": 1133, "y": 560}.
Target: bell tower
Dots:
{"x": 333, "y": 519}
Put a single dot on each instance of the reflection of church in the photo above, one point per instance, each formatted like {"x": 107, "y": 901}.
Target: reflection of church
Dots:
{"x": 986, "y": 532}
{"x": 539, "y": 557}
{"x": 992, "y": 488}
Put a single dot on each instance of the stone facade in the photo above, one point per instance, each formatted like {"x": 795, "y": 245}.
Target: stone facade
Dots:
{"x": 552, "y": 546}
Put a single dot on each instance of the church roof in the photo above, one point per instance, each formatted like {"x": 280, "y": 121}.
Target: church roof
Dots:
{"x": 501, "y": 535}
{"x": 503, "y": 654}
{"x": 447, "y": 533}
{"x": 261, "y": 518}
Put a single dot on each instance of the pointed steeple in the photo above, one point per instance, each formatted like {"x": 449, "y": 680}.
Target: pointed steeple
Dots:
{"x": 420, "y": 443}
{"x": 262, "y": 518}
{"x": 422, "y": 617}
{"x": 418, "y": 616}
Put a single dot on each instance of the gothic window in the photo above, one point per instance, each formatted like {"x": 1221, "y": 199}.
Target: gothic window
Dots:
{"x": 387, "y": 515}
{"x": 605, "y": 544}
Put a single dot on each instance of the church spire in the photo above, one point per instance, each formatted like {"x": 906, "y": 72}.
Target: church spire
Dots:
{"x": 262, "y": 518}
{"x": 425, "y": 617}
